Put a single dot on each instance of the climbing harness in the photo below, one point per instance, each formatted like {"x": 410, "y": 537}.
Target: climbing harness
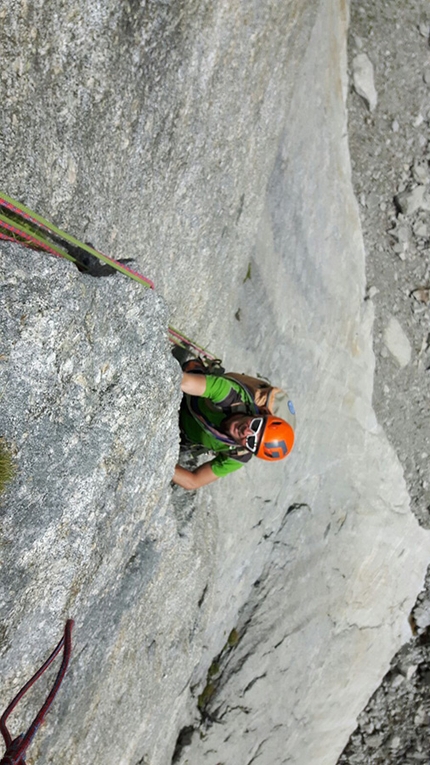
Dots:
{"x": 21, "y": 225}
{"x": 273, "y": 413}
{"x": 16, "y": 748}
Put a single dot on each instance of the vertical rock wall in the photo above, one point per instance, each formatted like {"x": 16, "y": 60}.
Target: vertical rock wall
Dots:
{"x": 89, "y": 402}
{"x": 209, "y": 142}
{"x": 330, "y": 604}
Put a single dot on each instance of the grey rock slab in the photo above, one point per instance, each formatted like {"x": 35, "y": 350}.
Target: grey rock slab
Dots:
{"x": 317, "y": 629}
{"x": 421, "y": 173}
{"x": 424, "y": 29}
{"x": 363, "y": 79}
{"x": 372, "y": 292}
{"x": 410, "y": 201}
{"x": 397, "y": 342}
{"x": 90, "y": 394}
{"x": 420, "y": 229}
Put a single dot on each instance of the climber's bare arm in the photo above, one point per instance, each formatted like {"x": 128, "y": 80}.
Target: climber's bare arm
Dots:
{"x": 193, "y": 384}
{"x": 194, "y": 479}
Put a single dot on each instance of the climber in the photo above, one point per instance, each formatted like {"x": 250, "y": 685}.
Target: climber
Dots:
{"x": 233, "y": 419}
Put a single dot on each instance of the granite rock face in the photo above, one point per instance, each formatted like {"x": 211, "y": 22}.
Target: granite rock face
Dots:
{"x": 210, "y": 143}
{"x": 90, "y": 395}
{"x": 338, "y": 533}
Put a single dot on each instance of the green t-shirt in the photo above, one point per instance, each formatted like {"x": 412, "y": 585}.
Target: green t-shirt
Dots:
{"x": 215, "y": 405}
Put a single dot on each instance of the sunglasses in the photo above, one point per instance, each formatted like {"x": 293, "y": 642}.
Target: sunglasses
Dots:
{"x": 251, "y": 442}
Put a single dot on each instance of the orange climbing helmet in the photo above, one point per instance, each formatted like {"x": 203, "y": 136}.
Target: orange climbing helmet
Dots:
{"x": 272, "y": 439}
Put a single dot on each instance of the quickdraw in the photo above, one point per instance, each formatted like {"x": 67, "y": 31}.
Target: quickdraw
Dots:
{"x": 16, "y": 748}
{"x": 21, "y": 225}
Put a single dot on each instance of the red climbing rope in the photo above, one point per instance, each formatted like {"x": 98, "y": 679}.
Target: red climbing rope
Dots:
{"x": 18, "y": 235}
{"x": 44, "y": 228}
{"x": 16, "y": 748}
{"x": 20, "y": 224}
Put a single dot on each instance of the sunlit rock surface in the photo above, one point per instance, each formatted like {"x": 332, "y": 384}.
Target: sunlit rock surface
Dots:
{"x": 208, "y": 141}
